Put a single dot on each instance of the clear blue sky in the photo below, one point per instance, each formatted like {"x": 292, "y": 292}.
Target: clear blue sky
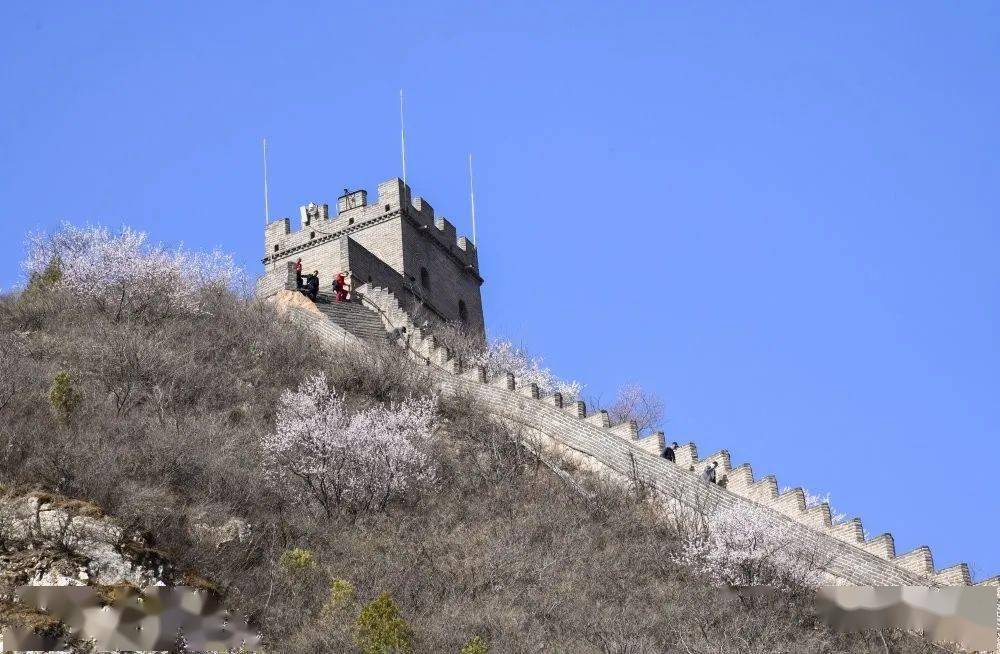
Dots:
{"x": 784, "y": 220}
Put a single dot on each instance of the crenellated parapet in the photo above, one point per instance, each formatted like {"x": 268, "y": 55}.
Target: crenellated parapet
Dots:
{"x": 355, "y": 212}
{"x": 389, "y": 239}
{"x": 792, "y": 503}
{"x": 855, "y": 558}
{"x": 589, "y": 440}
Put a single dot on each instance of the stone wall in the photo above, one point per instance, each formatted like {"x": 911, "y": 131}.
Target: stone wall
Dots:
{"x": 592, "y": 443}
{"x": 275, "y": 279}
{"x": 445, "y": 289}
{"x": 366, "y": 268}
{"x": 370, "y": 273}
{"x": 400, "y": 231}
{"x": 617, "y": 448}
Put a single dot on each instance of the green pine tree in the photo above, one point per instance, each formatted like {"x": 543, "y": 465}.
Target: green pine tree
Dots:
{"x": 380, "y": 629}
{"x": 298, "y": 559}
{"x": 63, "y": 397}
{"x": 476, "y": 646}
{"x": 43, "y": 281}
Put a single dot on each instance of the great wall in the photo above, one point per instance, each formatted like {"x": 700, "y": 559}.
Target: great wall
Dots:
{"x": 406, "y": 237}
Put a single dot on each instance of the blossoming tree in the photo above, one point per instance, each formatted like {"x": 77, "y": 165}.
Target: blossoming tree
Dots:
{"x": 124, "y": 274}
{"x": 633, "y": 403}
{"x": 502, "y": 356}
{"x": 359, "y": 462}
{"x": 749, "y": 546}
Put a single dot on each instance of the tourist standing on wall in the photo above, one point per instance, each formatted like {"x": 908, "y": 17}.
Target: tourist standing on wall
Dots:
{"x": 312, "y": 285}
{"x": 339, "y": 287}
{"x": 298, "y": 273}
{"x": 668, "y": 452}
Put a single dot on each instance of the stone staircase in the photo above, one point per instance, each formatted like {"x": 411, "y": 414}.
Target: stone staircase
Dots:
{"x": 353, "y": 317}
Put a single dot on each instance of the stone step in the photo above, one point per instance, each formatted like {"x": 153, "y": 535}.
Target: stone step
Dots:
{"x": 354, "y": 317}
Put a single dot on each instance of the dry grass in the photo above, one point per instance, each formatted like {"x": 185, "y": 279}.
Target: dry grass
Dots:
{"x": 167, "y": 434}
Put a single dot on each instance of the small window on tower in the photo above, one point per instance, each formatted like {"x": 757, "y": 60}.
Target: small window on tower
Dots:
{"x": 425, "y": 279}
{"x": 312, "y": 235}
{"x": 275, "y": 247}
{"x": 388, "y": 206}
{"x": 463, "y": 313}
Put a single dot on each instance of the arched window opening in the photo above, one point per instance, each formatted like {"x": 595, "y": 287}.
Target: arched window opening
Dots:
{"x": 463, "y": 313}
{"x": 425, "y": 278}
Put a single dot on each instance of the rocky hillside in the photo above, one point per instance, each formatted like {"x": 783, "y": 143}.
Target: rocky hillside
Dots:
{"x": 200, "y": 438}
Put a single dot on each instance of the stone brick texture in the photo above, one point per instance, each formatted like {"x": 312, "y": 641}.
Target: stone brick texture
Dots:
{"x": 403, "y": 247}
{"x": 386, "y": 244}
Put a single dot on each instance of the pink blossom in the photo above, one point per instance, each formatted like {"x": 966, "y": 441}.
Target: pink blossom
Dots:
{"x": 123, "y": 272}
{"x": 358, "y": 461}
{"x": 503, "y": 356}
{"x": 749, "y": 546}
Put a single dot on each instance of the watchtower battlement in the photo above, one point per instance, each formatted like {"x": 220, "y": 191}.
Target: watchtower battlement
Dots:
{"x": 395, "y": 242}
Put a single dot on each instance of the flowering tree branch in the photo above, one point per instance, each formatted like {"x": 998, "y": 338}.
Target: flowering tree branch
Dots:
{"x": 748, "y": 546}
{"x": 360, "y": 461}
{"x": 123, "y": 274}
{"x": 502, "y": 355}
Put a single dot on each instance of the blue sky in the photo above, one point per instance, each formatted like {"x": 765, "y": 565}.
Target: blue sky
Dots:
{"x": 781, "y": 219}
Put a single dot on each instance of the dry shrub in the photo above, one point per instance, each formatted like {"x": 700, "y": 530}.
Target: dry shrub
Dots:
{"x": 13, "y": 352}
{"x": 633, "y": 403}
{"x": 462, "y": 342}
{"x": 168, "y": 435}
{"x": 379, "y": 373}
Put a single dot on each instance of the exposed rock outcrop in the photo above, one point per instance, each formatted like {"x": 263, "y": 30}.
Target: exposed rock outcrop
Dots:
{"x": 47, "y": 540}
{"x": 52, "y": 533}
{"x": 285, "y": 299}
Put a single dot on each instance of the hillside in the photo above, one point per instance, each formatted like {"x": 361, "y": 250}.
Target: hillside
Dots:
{"x": 181, "y": 417}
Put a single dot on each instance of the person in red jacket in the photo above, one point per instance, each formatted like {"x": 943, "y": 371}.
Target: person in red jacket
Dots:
{"x": 298, "y": 273}
{"x": 339, "y": 287}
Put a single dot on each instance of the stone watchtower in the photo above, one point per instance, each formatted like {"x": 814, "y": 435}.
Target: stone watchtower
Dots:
{"x": 394, "y": 243}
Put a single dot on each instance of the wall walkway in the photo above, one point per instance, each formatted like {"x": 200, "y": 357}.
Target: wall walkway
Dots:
{"x": 595, "y": 442}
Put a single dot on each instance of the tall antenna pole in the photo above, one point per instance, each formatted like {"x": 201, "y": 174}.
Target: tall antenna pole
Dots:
{"x": 267, "y": 208}
{"x": 402, "y": 133}
{"x": 472, "y": 202}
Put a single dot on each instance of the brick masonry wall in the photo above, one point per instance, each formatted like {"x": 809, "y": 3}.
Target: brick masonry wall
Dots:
{"x": 328, "y": 334}
{"x": 366, "y": 268}
{"x": 593, "y": 443}
{"x": 271, "y": 281}
{"x": 372, "y": 275}
{"x": 566, "y": 430}
{"x": 447, "y": 283}
{"x": 385, "y": 241}
{"x": 739, "y": 481}
{"x": 324, "y": 257}
{"x": 402, "y": 232}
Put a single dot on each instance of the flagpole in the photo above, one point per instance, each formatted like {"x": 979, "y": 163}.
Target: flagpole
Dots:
{"x": 472, "y": 202}
{"x": 402, "y": 133}
{"x": 267, "y": 208}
